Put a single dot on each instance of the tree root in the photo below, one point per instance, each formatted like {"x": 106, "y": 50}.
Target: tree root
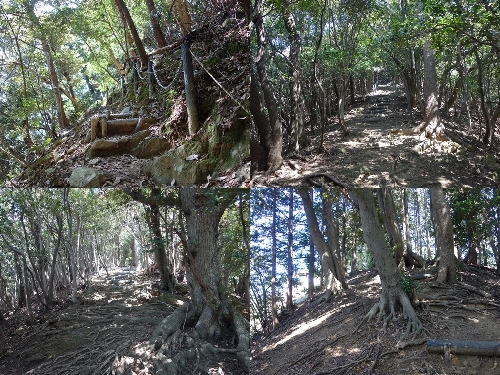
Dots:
{"x": 385, "y": 310}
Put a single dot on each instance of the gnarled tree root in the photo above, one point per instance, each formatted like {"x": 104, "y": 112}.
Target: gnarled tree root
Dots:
{"x": 385, "y": 310}
{"x": 172, "y": 348}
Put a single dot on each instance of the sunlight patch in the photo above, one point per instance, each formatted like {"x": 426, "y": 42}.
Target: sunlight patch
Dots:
{"x": 300, "y": 329}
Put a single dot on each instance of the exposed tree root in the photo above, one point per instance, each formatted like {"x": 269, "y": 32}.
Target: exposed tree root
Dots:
{"x": 385, "y": 310}
{"x": 174, "y": 346}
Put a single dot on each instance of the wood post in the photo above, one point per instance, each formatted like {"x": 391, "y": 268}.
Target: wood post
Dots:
{"x": 104, "y": 126}
{"x": 93, "y": 128}
{"x": 151, "y": 79}
{"x": 484, "y": 348}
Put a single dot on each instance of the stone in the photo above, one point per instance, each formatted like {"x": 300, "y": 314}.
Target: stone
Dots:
{"x": 172, "y": 166}
{"x": 150, "y": 147}
{"x": 84, "y": 177}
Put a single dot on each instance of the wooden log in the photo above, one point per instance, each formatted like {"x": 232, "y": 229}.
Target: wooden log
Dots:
{"x": 421, "y": 276}
{"x": 93, "y": 128}
{"x": 467, "y": 347}
{"x": 104, "y": 127}
{"x": 114, "y": 116}
{"x": 126, "y": 125}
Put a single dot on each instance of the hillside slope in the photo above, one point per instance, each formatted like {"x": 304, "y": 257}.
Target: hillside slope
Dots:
{"x": 320, "y": 339}
{"x": 159, "y": 150}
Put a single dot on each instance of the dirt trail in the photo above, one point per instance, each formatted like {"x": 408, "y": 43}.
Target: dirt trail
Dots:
{"x": 378, "y": 152}
{"x": 319, "y": 339}
{"x": 113, "y": 317}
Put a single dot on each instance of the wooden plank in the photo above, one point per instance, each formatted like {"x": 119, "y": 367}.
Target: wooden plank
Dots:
{"x": 468, "y": 347}
{"x": 93, "y": 128}
{"x": 104, "y": 127}
{"x": 114, "y": 116}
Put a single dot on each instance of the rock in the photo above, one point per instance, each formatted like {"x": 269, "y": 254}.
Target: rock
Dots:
{"x": 172, "y": 166}
{"x": 125, "y": 110}
{"x": 86, "y": 178}
{"x": 50, "y": 170}
{"x": 150, "y": 147}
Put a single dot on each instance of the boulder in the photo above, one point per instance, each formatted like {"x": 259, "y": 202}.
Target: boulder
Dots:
{"x": 150, "y": 147}
{"x": 173, "y": 168}
{"x": 83, "y": 177}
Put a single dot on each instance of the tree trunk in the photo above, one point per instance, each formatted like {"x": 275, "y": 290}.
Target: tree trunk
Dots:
{"x": 443, "y": 229}
{"x": 330, "y": 264}
{"x": 167, "y": 279}
{"x": 122, "y": 8}
{"x": 294, "y": 71}
{"x": 61, "y": 115}
{"x": 341, "y": 107}
{"x": 289, "y": 300}
{"x": 392, "y": 294}
{"x": 184, "y": 19}
{"x": 274, "y": 311}
{"x": 155, "y": 24}
{"x": 2, "y": 337}
{"x": 274, "y": 158}
{"x": 386, "y": 204}
{"x": 190, "y": 89}
{"x": 432, "y": 119}
{"x": 70, "y": 245}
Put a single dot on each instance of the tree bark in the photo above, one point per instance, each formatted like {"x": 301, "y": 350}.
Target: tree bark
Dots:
{"x": 392, "y": 294}
{"x": 289, "y": 300}
{"x": 275, "y": 140}
{"x": 122, "y": 8}
{"x": 443, "y": 229}
{"x": 61, "y": 115}
{"x": 274, "y": 311}
{"x": 190, "y": 89}
{"x": 330, "y": 264}
{"x": 295, "y": 74}
{"x": 155, "y": 24}
{"x": 386, "y": 204}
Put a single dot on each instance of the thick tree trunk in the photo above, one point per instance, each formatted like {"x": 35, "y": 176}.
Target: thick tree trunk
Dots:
{"x": 275, "y": 142}
{"x": 294, "y": 71}
{"x": 332, "y": 271}
{"x": 443, "y": 229}
{"x": 392, "y": 294}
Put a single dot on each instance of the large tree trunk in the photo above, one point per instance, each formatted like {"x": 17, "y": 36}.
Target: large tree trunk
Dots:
{"x": 275, "y": 139}
{"x": 329, "y": 262}
{"x": 294, "y": 71}
{"x": 392, "y": 294}
{"x": 443, "y": 229}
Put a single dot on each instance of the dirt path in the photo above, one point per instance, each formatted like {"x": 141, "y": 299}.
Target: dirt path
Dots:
{"x": 378, "y": 153}
{"x": 112, "y": 319}
{"x": 320, "y": 340}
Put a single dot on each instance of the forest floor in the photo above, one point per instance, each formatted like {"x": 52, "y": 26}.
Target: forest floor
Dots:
{"x": 107, "y": 331}
{"x": 319, "y": 338}
{"x": 380, "y": 152}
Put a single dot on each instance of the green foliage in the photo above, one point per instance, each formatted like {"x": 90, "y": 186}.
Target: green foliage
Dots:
{"x": 409, "y": 285}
